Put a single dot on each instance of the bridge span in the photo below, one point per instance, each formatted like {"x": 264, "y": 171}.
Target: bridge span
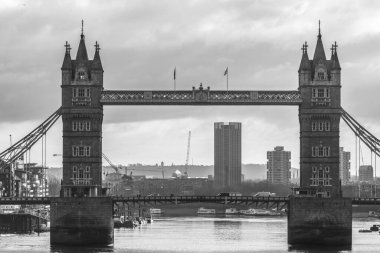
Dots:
{"x": 270, "y": 202}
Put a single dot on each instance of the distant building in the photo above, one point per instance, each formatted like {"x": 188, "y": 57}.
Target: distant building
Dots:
{"x": 227, "y": 154}
{"x": 23, "y": 180}
{"x": 366, "y": 173}
{"x": 278, "y": 166}
{"x": 344, "y": 166}
{"x": 295, "y": 176}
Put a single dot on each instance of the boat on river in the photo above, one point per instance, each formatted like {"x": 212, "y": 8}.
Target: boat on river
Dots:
{"x": 203, "y": 210}
{"x": 155, "y": 211}
{"x": 259, "y": 212}
{"x": 231, "y": 211}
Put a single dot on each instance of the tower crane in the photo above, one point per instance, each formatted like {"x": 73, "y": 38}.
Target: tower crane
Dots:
{"x": 116, "y": 168}
{"x": 188, "y": 152}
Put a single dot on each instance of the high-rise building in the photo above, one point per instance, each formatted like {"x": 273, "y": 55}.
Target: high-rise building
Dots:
{"x": 366, "y": 173}
{"x": 227, "y": 154}
{"x": 278, "y": 166}
{"x": 344, "y": 166}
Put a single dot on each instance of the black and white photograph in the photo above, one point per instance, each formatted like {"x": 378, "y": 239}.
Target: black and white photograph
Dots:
{"x": 164, "y": 126}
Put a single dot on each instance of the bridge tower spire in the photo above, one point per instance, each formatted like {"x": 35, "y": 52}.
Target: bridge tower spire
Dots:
{"x": 319, "y": 115}
{"x": 82, "y": 117}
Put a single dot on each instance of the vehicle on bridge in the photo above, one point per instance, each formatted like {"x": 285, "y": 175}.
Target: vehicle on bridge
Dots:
{"x": 229, "y": 194}
{"x": 264, "y": 194}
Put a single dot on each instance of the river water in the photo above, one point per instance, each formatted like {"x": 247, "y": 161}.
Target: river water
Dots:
{"x": 200, "y": 234}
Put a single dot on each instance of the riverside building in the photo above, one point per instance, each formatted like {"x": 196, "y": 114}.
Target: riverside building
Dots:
{"x": 227, "y": 154}
{"x": 278, "y": 166}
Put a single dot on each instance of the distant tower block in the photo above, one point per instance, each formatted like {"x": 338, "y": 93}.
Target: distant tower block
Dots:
{"x": 227, "y": 154}
{"x": 82, "y": 117}
{"x": 278, "y": 166}
{"x": 344, "y": 166}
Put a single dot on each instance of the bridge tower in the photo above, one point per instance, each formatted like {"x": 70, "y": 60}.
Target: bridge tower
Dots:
{"x": 319, "y": 116}
{"x": 82, "y": 117}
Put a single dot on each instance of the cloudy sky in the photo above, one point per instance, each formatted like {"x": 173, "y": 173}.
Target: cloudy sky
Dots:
{"x": 141, "y": 43}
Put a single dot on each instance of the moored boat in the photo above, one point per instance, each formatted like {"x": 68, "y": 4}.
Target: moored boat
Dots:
{"x": 155, "y": 211}
{"x": 259, "y": 212}
{"x": 230, "y": 211}
{"x": 203, "y": 210}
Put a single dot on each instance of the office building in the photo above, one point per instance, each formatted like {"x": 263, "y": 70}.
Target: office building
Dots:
{"x": 278, "y": 166}
{"x": 344, "y": 166}
{"x": 366, "y": 173}
{"x": 227, "y": 154}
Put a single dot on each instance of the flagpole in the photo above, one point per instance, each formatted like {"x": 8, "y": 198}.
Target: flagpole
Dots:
{"x": 227, "y": 82}
{"x": 175, "y": 77}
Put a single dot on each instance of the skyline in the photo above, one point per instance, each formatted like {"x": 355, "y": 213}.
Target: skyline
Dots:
{"x": 200, "y": 39}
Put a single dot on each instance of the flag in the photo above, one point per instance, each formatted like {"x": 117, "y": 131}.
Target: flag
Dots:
{"x": 174, "y": 73}
{"x": 226, "y": 71}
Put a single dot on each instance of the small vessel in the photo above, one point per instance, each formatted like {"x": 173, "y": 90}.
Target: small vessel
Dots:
{"x": 118, "y": 221}
{"x": 149, "y": 219}
{"x": 374, "y": 214}
{"x": 203, "y": 210}
{"x": 155, "y": 211}
{"x": 230, "y": 211}
{"x": 259, "y": 212}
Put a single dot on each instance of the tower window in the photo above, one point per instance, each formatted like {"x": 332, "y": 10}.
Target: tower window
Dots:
{"x": 320, "y": 151}
{"x": 81, "y": 126}
{"x": 321, "y": 75}
{"x": 81, "y": 75}
{"x": 320, "y": 93}
{"x": 320, "y": 126}
{"x": 81, "y": 150}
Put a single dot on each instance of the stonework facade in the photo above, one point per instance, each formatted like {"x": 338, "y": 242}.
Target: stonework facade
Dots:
{"x": 82, "y": 117}
{"x": 319, "y": 116}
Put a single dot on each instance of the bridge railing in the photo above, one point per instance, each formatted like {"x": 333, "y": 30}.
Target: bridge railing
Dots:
{"x": 219, "y": 199}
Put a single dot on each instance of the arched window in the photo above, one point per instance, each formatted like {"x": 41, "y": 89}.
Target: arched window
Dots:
{"x": 81, "y": 75}
{"x": 321, "y": 75}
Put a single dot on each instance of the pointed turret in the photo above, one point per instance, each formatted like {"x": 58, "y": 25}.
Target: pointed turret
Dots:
{"x": 82, "y": 56}
{"x": 304, "y": 71}
{"x": 97, "y": 63}
{"x": 82, "y": 51}
{"x": 319, "y": 54}
{"x": 334, "y": 58}
{"x": 305, "y": 62}
{"x": 67, "y": 60}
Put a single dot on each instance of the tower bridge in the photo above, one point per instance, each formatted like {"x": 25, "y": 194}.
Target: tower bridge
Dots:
{"x": 318, "y": 97}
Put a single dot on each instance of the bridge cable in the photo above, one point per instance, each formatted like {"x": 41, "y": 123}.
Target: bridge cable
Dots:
{"x": 15, "y": 151}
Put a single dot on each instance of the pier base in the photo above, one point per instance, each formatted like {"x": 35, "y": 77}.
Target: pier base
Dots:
{"x": 81, "y": 221}
{"x": 320, "y": 221}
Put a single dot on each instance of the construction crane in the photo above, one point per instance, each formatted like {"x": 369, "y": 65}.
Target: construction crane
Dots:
{"x": 188, "y": 152}
{"x": 116, "y": 168}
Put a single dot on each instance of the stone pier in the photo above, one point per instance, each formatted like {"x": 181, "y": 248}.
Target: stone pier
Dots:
{"x": 320, "y": 221}
{"x": 81, "y": 221}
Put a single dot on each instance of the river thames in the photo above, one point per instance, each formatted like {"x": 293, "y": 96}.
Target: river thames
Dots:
{"x": 200, "y": 234}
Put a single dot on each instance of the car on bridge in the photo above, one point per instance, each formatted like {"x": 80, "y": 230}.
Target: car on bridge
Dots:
{"x": 229, "y": 194}
{"x": 264, "y": 194}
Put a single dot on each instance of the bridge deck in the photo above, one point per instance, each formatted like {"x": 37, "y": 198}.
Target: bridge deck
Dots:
{"x": 178, "y": 199}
